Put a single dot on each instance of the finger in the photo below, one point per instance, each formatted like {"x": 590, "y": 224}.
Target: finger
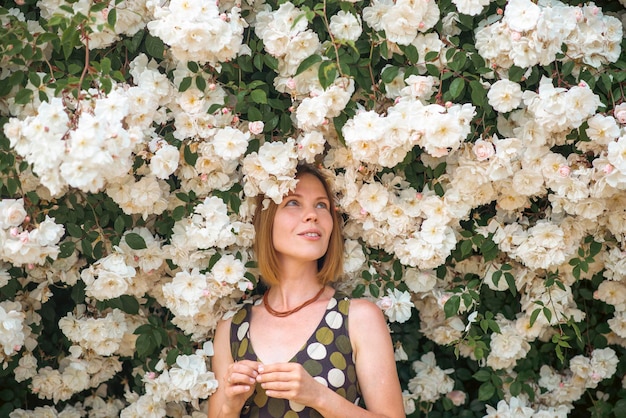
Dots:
{"x": 246, "y": 368}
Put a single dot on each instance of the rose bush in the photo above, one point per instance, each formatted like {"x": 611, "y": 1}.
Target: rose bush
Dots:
{"x": 477, "y": 150}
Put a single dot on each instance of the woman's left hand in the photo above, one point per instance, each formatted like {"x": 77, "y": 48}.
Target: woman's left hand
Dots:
{"x": 289, "y": 381}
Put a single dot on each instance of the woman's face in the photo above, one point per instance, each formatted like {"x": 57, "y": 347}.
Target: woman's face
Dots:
{"x": 303, "y": 222}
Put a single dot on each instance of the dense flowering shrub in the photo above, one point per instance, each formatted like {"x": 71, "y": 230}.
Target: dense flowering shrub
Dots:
{"x": 477, "y": 150}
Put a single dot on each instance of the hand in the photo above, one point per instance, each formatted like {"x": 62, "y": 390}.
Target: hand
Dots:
{"x": 289, "y": 381}
{"x": 239, "y": 382}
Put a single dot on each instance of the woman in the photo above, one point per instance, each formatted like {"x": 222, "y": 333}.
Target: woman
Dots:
{"x": 304, "y": 350}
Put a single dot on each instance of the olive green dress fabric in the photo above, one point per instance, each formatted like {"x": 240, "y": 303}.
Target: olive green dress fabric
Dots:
{"x": 327, "y": 356}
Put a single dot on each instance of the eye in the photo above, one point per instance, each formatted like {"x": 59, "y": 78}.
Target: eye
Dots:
{"x": 291, "y": 202}
{"x": 322, "y": 205}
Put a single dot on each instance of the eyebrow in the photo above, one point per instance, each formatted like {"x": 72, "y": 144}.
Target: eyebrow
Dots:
{"x": 320, "y": 197}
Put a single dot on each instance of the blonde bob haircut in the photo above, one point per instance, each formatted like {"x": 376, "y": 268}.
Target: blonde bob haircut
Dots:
{"x": 329, "y": 266}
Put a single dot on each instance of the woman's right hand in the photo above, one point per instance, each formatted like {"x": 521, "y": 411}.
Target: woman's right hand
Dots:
{"x": 236, "y": 379}
{"x": 239, "y": 382}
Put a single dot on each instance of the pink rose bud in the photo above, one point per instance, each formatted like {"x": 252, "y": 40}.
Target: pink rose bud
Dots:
{"x": 256, "y": 127}
{"x": 457, "y": 397}
{"x": 385, "y": 302}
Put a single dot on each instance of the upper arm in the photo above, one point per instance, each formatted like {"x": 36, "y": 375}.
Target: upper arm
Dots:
{"x": 222, "y": 358}
{"x": 375, "y": 361}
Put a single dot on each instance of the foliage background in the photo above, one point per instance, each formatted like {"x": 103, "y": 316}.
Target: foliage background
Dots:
{"x": 53, "y": 61}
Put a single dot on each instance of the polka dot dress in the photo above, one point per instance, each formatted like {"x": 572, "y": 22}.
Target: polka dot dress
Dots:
{"x": 327, "y": 356}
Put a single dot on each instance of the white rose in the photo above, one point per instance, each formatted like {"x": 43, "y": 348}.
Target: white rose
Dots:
{"x": 505, "y": 95}
{"x": 620, "y": 113}
{"x": 483, "y": 150}
{"x": 12, "y": 213}
{"x": 165, "y": 161}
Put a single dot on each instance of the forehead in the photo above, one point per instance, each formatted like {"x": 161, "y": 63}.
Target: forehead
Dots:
{"x": 310, "y": 184}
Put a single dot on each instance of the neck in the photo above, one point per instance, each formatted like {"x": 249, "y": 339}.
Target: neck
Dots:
{"x": 290, "y": 310}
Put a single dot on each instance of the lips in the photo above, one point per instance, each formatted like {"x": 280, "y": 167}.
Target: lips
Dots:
{"x": 311, "y": 233}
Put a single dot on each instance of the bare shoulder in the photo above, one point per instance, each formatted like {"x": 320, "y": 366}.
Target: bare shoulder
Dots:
{"x": 365, "y": 318}
{"x": 363, "y": 309}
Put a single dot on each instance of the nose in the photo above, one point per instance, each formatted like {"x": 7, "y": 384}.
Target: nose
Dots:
{"x": 310, "y": 215}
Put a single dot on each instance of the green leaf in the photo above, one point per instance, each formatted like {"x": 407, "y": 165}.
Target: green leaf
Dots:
{"x": 185, "y": 84}
{"x": 482, "y": 375}
{"x": 308, "y": 63}
{"x": 129, "y": 304}
{"x": 452, "y": 305}
{"x": 145, "y": 345}
{"x": 190, "y": 156}
{"x": 112, "y": 17}
{"x": 119, "y": 225}
{"x": 516, "y": 73}
{"x": 374, "y": 290}
{"x": 74, "y": 230}
{"x": 200, "y": 83}
{"x": 327, "y": 73}
{"x": 258, "y": 96}
{"x": 486, "y": 391}
{"x": 389, "y": 74}
{"x": 358, "y": 291}
{"x": 66, "y": 249}
{"x": 547, "y": 313}
{"x": 23, "y": 96}
{"x": 410, "y": 51}
{"x": 171, "y": 356}
{"x": 456, "y": 87}
{"x": 135, "y": 241}
{"x": 154, "y": 46}
{"x": 478, "y": 93}
{"x": 534, "y": 316}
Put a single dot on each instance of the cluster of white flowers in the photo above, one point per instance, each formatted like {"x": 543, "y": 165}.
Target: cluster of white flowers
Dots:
{"x": 198, "y": 299}
{"x": 73, "y": 375}
{"x": 23, "y": 242}
{"x": 271, "y": 170}
{"x": 391, "y": 215}
{"x": 97, "y": 149}
{"x": 209, "y": 227}
{"x": 188, "y": 380}
{"x": 470, "y": 7}
{"x": 613, "y": 291}
{"x": 385, "y": 140}
{"x": 518, "y": 407}
{"x": 131, "y": 16}
{"x": 507, "y": 346}
{"x": 315, "y": 111}
{"x": 112, "y": 333}
{"x": 430, "y": 381}
{"x": 12, "y": 327}
{"x": 209, "y": 35}
{"x": 402, "y": 20}
{"x": 565, "y": 387}
{"x": 531, "y": 34}
{"x": 108, "y": 277}
{"x": 286, "y": 36}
